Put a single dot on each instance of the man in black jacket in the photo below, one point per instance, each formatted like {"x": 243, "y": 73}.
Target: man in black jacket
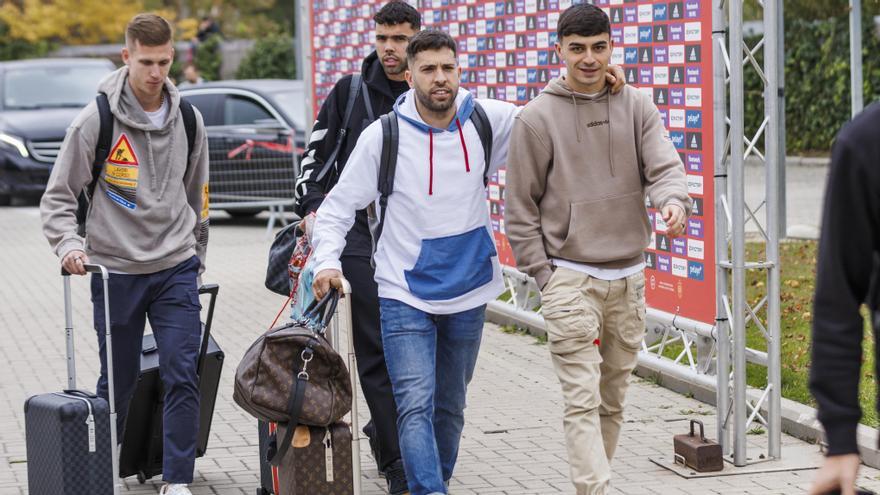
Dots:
{"x": 847, "y": 277}
{"x": 383, "y": 74}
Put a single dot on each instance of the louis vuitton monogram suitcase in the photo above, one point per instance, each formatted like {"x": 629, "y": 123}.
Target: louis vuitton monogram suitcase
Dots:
{"x": 320, "y": 460}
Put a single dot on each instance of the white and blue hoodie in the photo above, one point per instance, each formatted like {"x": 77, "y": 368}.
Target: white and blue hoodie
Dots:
{"x": 436, "y": 252}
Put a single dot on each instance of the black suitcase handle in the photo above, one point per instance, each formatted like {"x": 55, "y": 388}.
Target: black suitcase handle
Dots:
{"x": 211, "y": 289}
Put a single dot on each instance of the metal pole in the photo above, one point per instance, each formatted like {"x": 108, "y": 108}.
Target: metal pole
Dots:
{"x": 855, "y": 54}
{"x": 771, "y": 104}
{"x": 68, "y": 334}
{"x": 304, "y": 58}
{"x": 344, "y": 321}
{"x": 737, "y": 319}
{"x": 780, "y": 95}
{"x": 722, "y": 328}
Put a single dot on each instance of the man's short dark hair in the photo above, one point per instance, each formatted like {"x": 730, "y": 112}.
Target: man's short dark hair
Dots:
{"x": 398, "y": 12}
{"x": 429, "y": 39}
{"x": 583, "y": 19}
{"x": 148, "y": 30}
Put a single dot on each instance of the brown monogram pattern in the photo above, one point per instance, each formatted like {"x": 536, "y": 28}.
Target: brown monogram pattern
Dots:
{"x": 303, "y": 470}
{"x": 265, "y": 377}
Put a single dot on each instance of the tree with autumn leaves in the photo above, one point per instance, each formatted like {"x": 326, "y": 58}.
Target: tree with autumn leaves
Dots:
{"x": 33, "y": 27}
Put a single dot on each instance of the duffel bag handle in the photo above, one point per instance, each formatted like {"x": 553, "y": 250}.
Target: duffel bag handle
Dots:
{"x": 324, "y": 309}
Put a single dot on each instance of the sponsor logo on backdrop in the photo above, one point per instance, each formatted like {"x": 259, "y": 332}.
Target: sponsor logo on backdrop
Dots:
{"x": 679, "y": 267}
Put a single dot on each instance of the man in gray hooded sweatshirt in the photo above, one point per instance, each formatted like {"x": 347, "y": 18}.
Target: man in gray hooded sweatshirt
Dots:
{"x": 148, "y": 224}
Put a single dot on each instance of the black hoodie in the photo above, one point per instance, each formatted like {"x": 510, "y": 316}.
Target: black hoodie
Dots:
{"x": 846, "y": 278}
{"x": 309, "y": 191}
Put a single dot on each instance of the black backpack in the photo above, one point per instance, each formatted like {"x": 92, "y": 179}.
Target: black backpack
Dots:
{"x": 102, "y": 151}
{"x": 388, "y": 162}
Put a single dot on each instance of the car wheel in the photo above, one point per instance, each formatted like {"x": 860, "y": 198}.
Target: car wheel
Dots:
{"x": 244, "y": 213}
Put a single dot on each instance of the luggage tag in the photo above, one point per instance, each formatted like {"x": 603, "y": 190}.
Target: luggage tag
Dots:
{"x": 328, "y": 456}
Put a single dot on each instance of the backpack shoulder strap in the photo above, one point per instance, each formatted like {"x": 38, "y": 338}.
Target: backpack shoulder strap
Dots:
{"x": 354, "y": 89}
{"x": 484, "y": 129}
{"x": 367, "y": 103}
{"x": 102, "y": 151}
{"x": 105, "y": 136}
{"x": 189, "y": 124}
{"x": 387, "y": 165}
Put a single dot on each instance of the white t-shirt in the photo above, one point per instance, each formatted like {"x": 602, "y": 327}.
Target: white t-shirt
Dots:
{"x": 158, "y": 117}
{"x": 600, "y": 273}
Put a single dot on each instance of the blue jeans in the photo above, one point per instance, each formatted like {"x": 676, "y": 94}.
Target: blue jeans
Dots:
{"x": 431, "y": 360}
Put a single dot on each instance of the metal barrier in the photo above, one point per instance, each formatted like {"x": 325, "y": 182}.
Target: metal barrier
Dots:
{"x": 252, "y": 169}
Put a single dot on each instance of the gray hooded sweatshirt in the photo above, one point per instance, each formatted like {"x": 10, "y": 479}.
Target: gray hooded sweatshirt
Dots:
{"x": 149, "y": 211}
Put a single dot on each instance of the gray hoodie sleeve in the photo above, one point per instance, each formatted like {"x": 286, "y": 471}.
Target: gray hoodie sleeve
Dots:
{"x": 665, "y": 178}
{"x": 196, "y": 184}
{"x": 70, "y": 175}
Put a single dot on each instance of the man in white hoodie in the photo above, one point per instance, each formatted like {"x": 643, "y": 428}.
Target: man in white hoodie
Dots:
{"x": 436, "y": 264}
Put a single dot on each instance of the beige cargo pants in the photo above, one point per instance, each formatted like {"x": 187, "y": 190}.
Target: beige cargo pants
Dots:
{"x": 594, "y": 332}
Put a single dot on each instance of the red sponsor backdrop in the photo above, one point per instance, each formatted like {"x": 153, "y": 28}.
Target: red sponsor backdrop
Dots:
{"x": 506, "y": 51}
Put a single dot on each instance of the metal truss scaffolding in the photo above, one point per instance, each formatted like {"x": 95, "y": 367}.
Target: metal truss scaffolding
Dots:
{"x": 737, "y": 314}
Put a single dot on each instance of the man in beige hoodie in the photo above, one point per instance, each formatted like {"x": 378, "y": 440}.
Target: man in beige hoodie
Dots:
{"x": 580, "y": 163}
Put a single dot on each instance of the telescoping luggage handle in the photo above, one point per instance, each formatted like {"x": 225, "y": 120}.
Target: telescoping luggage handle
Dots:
{"x": 342, "y": 323}
{"x": 108, "y": 342}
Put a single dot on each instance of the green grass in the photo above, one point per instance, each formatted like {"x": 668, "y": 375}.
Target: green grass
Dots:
{"x": 798, "y": 262}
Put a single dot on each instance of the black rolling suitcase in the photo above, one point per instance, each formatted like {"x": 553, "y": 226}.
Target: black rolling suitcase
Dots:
{"x": 305, "y": 470}
{"x": 142, "y": 441}
{"x": 70, "y": 442}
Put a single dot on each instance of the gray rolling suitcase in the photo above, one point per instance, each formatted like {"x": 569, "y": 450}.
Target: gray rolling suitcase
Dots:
{"x": 70, "y": 442}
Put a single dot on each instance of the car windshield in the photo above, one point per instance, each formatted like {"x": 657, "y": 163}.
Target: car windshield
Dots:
{"x": 293, "y": 104}
{"x": 55, "y": 86}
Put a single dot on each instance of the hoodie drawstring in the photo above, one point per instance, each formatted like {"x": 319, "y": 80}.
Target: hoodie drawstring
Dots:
{"x": 467, "y": 162}
{"x": 431, "y": 162}
{"x": 610, "y": 134}
{"x": 577, "y": 118}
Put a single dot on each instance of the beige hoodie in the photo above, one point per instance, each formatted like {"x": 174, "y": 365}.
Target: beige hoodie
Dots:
{"x": 577, "y": 174}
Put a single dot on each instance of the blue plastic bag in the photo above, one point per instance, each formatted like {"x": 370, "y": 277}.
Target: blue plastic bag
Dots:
{"x": 304, "y": 296}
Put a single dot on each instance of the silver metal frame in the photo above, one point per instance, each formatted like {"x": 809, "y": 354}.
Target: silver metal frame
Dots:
{"x": 734, "y": 311}
{"x": 855, "y": 56}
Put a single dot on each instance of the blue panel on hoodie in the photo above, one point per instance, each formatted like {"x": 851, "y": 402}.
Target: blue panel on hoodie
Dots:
{"x": 449, "y": 267}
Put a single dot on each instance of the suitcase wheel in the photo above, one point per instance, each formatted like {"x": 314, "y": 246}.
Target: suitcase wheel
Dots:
{"x": 142, "y": 478}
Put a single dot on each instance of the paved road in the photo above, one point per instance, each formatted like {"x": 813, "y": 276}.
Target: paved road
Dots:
{"x": 512, "y": 443}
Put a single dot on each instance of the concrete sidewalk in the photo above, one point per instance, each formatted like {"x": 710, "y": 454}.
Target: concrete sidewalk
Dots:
{"x": 513, "y": 442}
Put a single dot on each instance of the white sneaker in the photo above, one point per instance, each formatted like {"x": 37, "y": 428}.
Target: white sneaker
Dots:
{"x": 175, "y": 489}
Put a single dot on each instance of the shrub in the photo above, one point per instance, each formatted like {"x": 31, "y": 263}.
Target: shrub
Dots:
{"x": 272, "y": 57}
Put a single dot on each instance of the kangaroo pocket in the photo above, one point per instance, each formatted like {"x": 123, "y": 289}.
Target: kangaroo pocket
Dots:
{"x": 449, "y": 267}
{"x": 607, "y": 229}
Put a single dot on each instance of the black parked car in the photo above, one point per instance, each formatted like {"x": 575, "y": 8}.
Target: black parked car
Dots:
{"x": 256, "y": 130}
{"x": 38, "y": 100}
